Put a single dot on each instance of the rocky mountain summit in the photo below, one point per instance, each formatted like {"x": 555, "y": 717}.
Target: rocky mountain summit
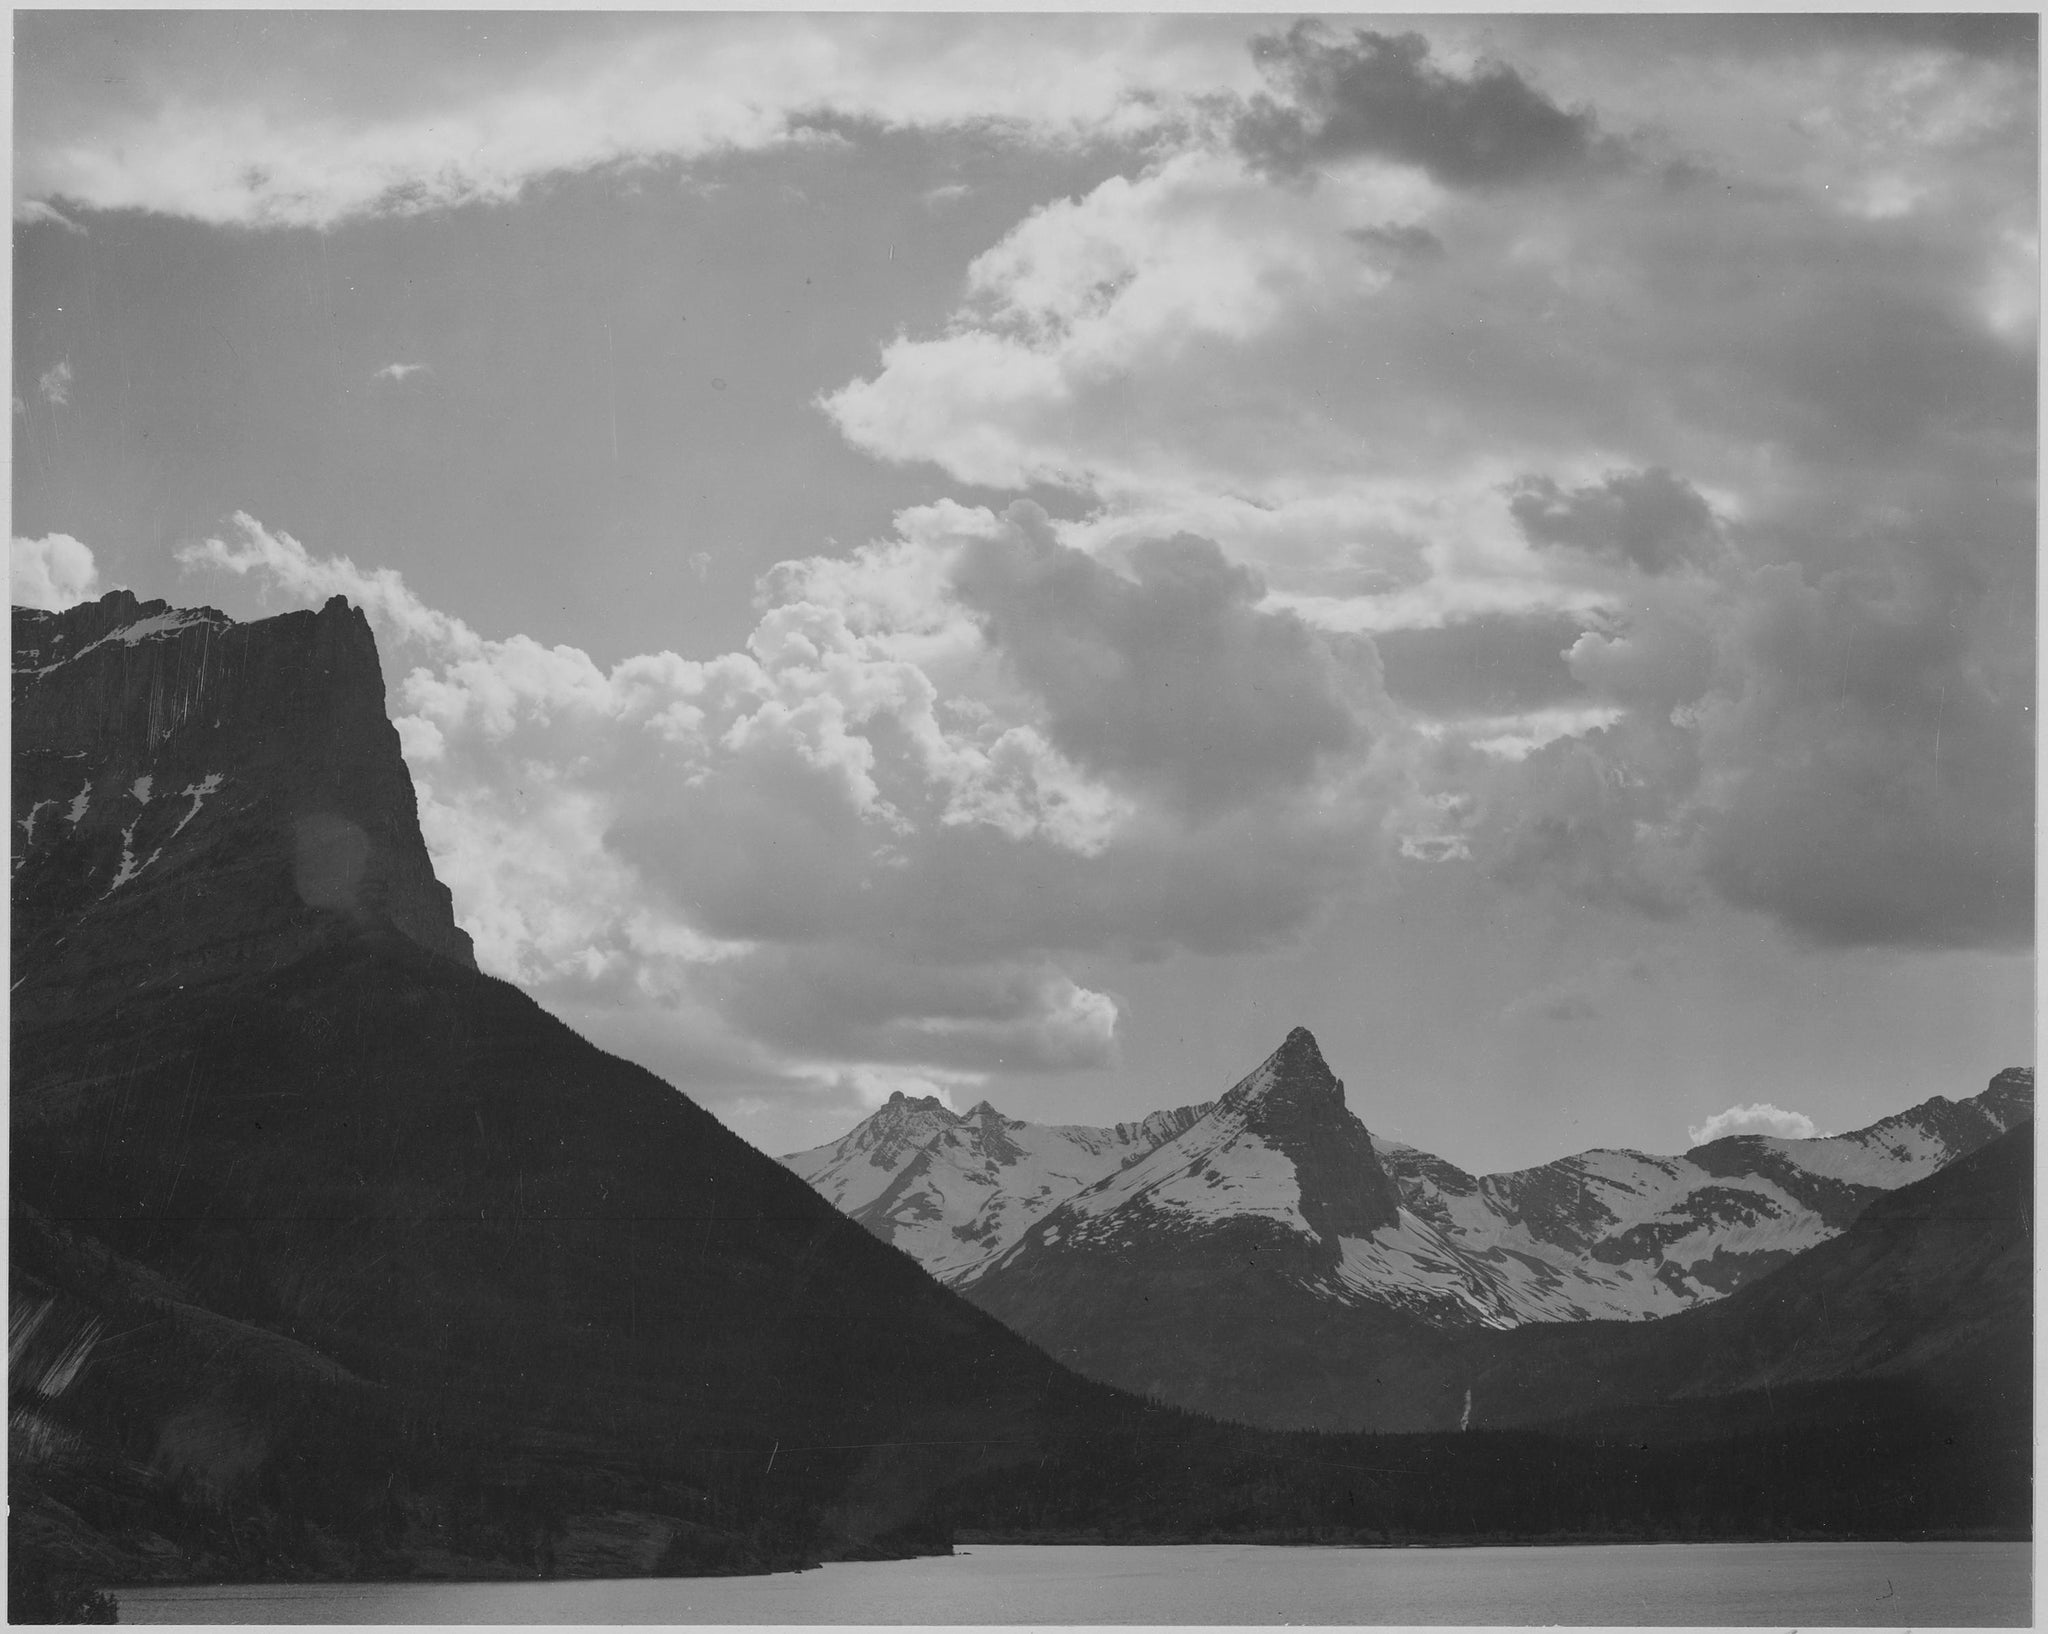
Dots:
{"x": 331, "y": 1256}
{"x": 955, "y": 1190}
{"x": 1279, "y": 1154}
{"x": 1265, "y": 1256}
{"x": 195, "y": 797}
{"x": 1360, "y": 1220}
{"x": 371, "y": 1266}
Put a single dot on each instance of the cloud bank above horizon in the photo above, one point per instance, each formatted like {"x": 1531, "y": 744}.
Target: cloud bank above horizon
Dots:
{"x": 1592, "y": 458}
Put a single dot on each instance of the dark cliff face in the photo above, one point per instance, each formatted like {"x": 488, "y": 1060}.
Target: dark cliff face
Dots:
{"x": 386, "y": 1244}
{"x": 195, "y": 798}
{"x": 1300, "y": 1111}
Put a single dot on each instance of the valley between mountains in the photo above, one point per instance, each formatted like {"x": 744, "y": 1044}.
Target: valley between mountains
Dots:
{"x": 333, "y": 1256}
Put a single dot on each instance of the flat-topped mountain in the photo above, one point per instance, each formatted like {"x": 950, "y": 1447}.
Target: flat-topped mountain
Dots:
{"x": 195, "y": 797}
{"x": 375, "y": 1264}
{"x": 332, "y": 1256}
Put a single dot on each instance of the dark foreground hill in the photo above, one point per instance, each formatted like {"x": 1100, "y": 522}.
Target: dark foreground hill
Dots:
{"x": 1877, "y": 1386}
{"x": 1272, "y": 1261}
{"x": 1930, "y": 1293}
{"x": 332, "y": 1256}
{"x": 376, "y": 1266}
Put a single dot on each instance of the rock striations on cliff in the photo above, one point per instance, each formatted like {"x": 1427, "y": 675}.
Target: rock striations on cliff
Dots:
{"x": 196, "y": 798}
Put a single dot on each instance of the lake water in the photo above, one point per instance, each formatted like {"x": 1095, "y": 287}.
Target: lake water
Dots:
{"x": 1790, "y": 1584}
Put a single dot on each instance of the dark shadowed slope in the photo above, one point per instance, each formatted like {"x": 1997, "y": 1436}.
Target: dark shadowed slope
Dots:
{"x": 1251, "y": 1267}
{"x": 377, "y": 1249}
{"x": 1932, "y": 1286}
{"x": 1200, "y": 1273}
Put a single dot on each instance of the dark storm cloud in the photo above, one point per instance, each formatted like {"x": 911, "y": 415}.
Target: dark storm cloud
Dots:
{"x": 1578, "y": 814}
{"x": 1887, "y": 793}
{"x": 1650, "y": 519}
{"x": 1173, "y": 677}
{"x": 1381, "y": 94}
{"x": 1829, "y": 750}
{"x": 1496, "y": 664}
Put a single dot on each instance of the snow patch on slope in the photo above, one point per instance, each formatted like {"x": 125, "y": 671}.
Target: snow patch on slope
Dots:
{"x": 27, "y": 825}
{"x": 1216, "y": 1170}
{"x": 956, "y": 1191}
{"x": 210, "y": 784}
{"x": 1870, "y": 1157}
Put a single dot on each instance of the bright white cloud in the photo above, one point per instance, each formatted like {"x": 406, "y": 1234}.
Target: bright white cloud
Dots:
{"x": 662, "y": 88}
{"x": 1758, "y": 1118}
{"x": 1733, "y": 413}
{"x": 399, "y": 372}
{"x": 1413, "y": 385}
{"x": 52, "y": 573}
{"x": 869, "y": 841}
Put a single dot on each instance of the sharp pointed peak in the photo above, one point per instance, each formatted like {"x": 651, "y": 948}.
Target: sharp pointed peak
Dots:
{"x": 1296, "y": 1071}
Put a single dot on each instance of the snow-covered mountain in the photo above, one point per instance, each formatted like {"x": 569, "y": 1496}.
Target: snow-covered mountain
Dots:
{"x": 1616, "y": 1233}
{"x": 1355, "y": 1221}
{"x": 955, "y": 1190}
{"x": 1280, "y": 1147}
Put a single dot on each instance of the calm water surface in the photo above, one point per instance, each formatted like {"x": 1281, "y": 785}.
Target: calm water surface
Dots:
{"x": 1791, "y": 1584}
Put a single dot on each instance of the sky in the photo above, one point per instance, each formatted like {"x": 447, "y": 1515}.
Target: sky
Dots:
{"x": 1021, "y": 557}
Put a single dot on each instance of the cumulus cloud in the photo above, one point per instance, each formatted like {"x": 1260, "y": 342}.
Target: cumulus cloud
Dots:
{"x": 869, "y": 844}
{"x": 1680, "y": 503}
{"x": 1653, "y": 539}
{"x": 288, "y": 148}
{"x": 1493, "y": 664}
{"x": 1173, "y": 676}
{"x": 1880, "y": 790}
{"x": 1651, "y": 520}
{"x": 1381, "y": 94}
{"x": 55, "y": 382}
{"x": 1195, "y": 350}
{"x": 1758, "y": 1118}
{"x": 52, "y": 573}
{"x": 1822, "y": 748}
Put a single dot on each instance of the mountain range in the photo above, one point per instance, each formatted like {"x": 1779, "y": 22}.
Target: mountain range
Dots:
{"x": 1278, "y": 1189}
{"x": 333, "y": 1256}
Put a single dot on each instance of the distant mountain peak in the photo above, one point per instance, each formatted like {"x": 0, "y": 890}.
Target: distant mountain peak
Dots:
{"x": 1294, "y": 1103}
{"x": 956, "y": 1190}
{"x": 1294, "y": 1078}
